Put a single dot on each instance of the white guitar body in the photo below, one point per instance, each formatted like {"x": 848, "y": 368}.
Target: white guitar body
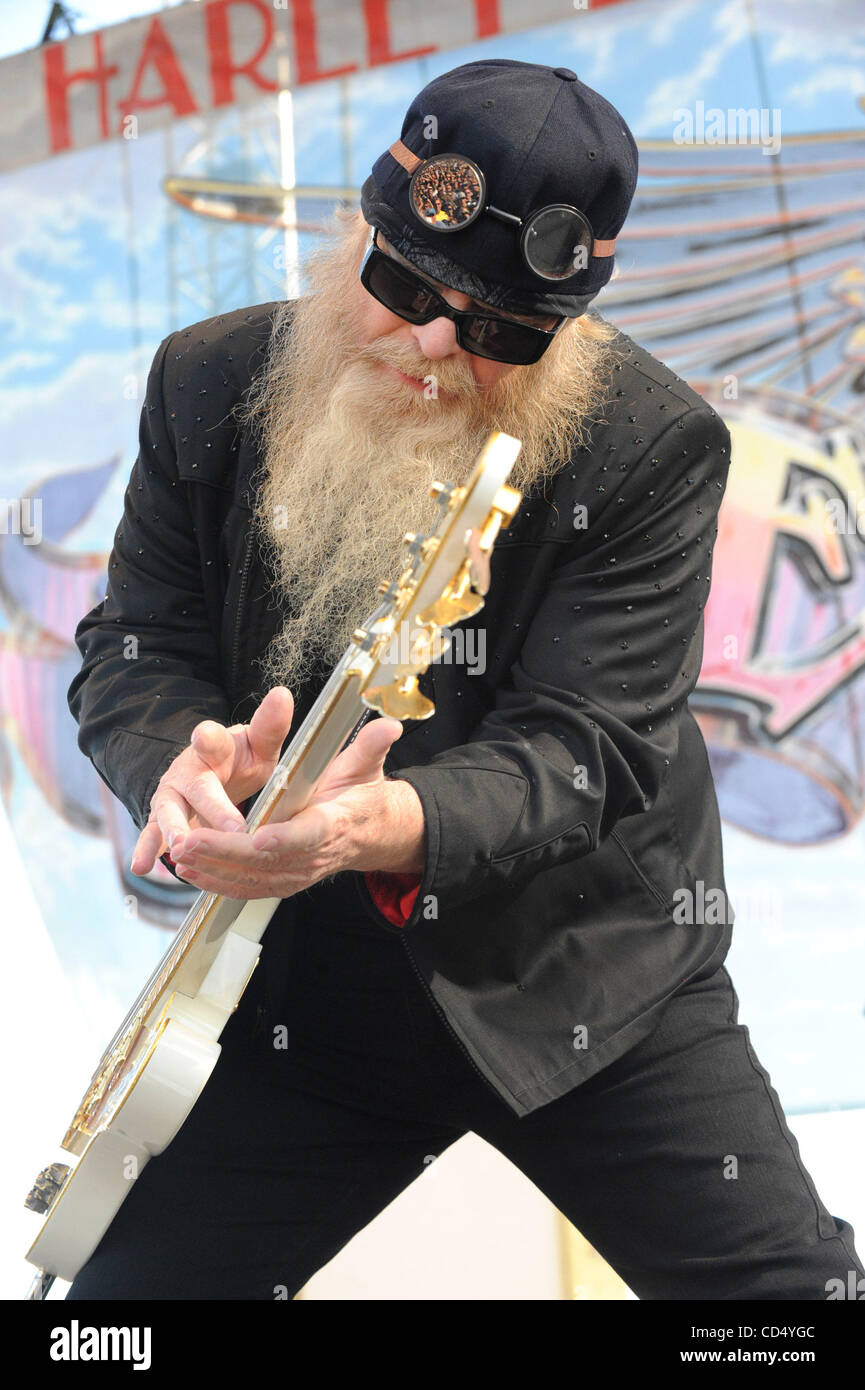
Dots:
{"x": 172, "y": 1077}
{"x": 158, "y": 1063}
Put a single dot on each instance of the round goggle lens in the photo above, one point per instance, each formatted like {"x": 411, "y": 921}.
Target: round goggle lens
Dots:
{"x": 557, "y": 243}
{"x": 447, "y": 192}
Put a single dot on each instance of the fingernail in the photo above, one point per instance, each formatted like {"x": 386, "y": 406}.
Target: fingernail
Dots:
{"x": 231, "y": 824}
{"x": 268, "y": 844}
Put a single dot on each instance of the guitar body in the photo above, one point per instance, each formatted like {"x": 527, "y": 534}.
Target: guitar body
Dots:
{"x": 164, "y": 1052}
{"x": 158, "y": 1087}
{"x": 164, "y": 1090}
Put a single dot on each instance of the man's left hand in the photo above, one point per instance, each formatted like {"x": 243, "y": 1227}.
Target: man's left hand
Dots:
{"x": 357, "y": 819}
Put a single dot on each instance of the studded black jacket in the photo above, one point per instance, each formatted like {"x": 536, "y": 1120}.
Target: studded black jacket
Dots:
{"x": 565, "y": 784}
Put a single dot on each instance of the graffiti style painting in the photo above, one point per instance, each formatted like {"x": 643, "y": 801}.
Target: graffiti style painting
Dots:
{"x": 748, "y": 279}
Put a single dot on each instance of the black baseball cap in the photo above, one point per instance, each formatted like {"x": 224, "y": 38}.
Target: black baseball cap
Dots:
{"x": 541, "y": 138}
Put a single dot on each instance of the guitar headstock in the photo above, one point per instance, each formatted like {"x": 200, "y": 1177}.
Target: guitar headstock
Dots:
{"x": 445, "y": 581}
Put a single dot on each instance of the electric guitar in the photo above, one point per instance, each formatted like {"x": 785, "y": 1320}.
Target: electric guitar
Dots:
{"x": 161, "y": 1057}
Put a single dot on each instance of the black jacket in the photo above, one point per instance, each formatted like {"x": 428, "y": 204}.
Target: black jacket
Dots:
{"x": 566, "y": 788}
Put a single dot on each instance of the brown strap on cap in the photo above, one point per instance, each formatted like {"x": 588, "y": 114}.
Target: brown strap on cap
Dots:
{"x": 409, "y": 161}
{"x": 403, "y": 155}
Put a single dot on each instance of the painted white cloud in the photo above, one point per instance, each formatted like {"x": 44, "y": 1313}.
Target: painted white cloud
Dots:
{"x": 833, "y": 79}
{"x": 730, "y": 27}
{"x": 77, "y": 416}
{"x": 23, "y": 362}
{"x": 799, "y": 28}
{"x": 602, "y": 41}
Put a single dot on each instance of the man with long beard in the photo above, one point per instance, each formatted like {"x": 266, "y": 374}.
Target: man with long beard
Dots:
{"x": 352, "y": 449}
{"x": 476, "y": 927}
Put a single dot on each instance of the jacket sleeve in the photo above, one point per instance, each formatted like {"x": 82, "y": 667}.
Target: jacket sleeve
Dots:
{"x": 150, "y": 668}
{"x": 582, "y": 732}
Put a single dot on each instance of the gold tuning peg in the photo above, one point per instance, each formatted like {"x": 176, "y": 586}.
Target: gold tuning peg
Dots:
{"x": 400, "y": 699}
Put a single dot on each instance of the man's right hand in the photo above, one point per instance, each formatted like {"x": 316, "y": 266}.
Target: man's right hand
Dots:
{"x": 222, "y": 766}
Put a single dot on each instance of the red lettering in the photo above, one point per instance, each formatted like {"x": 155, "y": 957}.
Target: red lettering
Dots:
{"x": 223, "y": 69}
{"x": 306, "y": 45}
{"x": 57, "y": 84}
{"x": 157, "y": 51}
{"x": 378, "y": 33}
{"x": 487, "y": 20}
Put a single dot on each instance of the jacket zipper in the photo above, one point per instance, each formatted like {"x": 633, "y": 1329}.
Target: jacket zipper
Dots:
{"x": 244, "y": 575}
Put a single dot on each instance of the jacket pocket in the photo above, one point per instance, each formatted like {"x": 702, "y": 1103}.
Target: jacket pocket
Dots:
{"x": 653, "y": 888}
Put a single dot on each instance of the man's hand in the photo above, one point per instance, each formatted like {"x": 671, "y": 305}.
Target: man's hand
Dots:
{"x": 221, "y": 766}
{"x": 357, "y": 819}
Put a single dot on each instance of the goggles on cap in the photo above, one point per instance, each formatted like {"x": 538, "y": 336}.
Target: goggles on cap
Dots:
{"x": 448, "y": 193}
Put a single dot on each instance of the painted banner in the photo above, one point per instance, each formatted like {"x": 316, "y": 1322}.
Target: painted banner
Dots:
{"x": 118, "y": 82}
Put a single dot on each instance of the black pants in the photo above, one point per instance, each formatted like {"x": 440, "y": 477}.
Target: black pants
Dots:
{"x": 339, "y": 1083}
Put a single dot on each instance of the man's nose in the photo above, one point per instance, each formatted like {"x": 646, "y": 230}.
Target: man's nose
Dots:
{"x": 439, "y": 337}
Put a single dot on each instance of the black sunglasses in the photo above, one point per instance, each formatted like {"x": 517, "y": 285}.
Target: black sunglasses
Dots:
{"x": 414, "y": 299}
